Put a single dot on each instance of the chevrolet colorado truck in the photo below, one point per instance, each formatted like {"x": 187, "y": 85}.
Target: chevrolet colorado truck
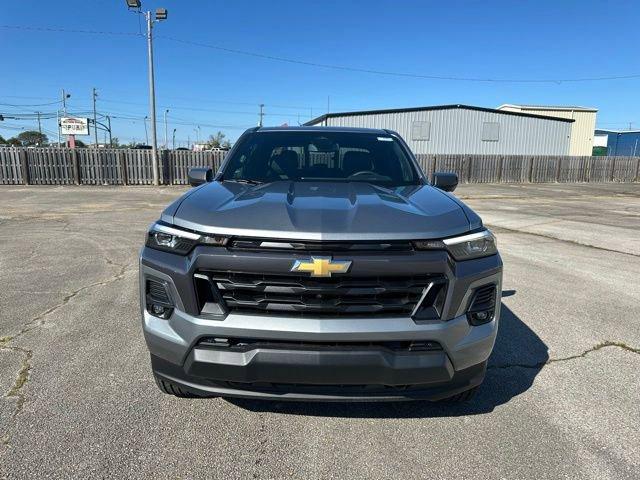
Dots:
{"x": 320, "y": 264}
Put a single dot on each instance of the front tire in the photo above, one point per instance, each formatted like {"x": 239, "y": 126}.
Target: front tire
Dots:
{"x": 461, "y": 397}
{"x": 171, "y": 388}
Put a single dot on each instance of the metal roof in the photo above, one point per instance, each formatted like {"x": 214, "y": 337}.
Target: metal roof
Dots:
{"x": 607, "y": 130}
{"x": 435, "y": 107}
{"x": 550, "y": 107}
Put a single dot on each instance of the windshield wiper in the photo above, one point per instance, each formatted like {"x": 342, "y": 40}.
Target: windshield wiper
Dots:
{"x": 244, "y": 180}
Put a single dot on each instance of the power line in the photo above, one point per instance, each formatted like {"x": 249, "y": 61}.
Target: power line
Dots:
{"x": 332, "y": 66}
{"x": 67, "y": 30}
{"x": 396, "y": 74}
{"x": 31, "y": 104}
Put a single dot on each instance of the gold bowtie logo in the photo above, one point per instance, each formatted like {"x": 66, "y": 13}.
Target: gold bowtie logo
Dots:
{"x": 321, "y": 266}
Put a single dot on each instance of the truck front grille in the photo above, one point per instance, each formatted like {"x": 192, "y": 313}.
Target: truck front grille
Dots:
{"x": 304, "y": 296}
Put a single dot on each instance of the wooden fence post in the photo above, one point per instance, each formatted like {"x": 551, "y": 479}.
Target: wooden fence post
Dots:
{"x": 467, "y": 176}
{"x": 637, "y": 170}
{"x": 165, "y": 167}
{"x": 530, "y": 173}
{"x": 558, "y": 168}
{"x": 170, "y": 167}
{"x": 75, "y": 161}
{"x": 123, "y": 167}
{"x": 24, "y": 165}
{"x": 500, "y": 162}
{"x": 613, "y": 168}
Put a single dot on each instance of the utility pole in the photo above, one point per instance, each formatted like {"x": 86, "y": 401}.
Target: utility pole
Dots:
{"x": 109, "y": 124}
{"x": 64, "y": 102}
{"x": 261, "y": 114}
{"x": 174, "y": 139}
{"x": 95, "y": 118}
{"x": 146, "y": 133}
{"x": 39, "y": 124}
{"x": 166, "y": 141}
{"x": 71, "y": 139}
{"x": 152, "y": 100}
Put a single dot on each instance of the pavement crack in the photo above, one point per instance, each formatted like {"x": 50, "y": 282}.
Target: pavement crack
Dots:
{"x": 261, "y": 447}
{"x": 39, "y": 319}
{"x": 17, "y": 389}
{"x": 540, "y": 365}
{"x": 22, "y": 377}
{"x": 497, "y": 228}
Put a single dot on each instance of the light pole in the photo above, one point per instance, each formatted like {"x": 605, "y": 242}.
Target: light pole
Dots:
{"x": 71, "y": 139}
{"x": 261, "y": 114}
{"x": 166, "y": 142}
{"x": 146, "y": 133}
{"x": 160, "y": 14}
{"x": 174, "y": 139}
{"x": 110, "y": 138}
{"x": 95, "y": 120}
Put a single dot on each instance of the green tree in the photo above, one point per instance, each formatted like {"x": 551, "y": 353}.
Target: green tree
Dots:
{"x": 80, "y": 144}
{"x": 14, "y": 142}
{"x": 2, "y": 140}
{"x": 32, "y": 138}
{"x": 219, "y": 140}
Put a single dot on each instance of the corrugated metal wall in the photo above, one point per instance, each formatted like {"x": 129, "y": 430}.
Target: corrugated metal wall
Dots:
{"x": 582, "y": 128}
{"x": 459, "y": 131}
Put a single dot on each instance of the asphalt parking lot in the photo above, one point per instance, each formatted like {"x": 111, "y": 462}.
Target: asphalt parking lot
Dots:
{"x": 560, "y": 399}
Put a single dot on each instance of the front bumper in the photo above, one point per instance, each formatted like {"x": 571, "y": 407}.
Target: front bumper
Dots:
{"x": 320, "y": 376}
{"x": 317, "y": 373}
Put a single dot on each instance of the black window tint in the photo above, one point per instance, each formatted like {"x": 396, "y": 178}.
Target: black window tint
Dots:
{"x": 321, "y": 156}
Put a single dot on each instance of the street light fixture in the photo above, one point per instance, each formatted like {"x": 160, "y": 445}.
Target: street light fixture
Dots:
{"x": 133, "y": 3}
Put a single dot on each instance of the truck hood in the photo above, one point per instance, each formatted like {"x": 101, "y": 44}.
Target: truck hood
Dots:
{"x": 320, "y": 211}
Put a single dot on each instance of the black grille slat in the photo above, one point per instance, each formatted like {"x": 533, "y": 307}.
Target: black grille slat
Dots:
{"x": 294, "y": 294}
{"x": 157, "y": 291}
{"x": 484, "y": 298}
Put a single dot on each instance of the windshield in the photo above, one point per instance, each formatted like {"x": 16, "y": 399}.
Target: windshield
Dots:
{"x": 312, "y": 156}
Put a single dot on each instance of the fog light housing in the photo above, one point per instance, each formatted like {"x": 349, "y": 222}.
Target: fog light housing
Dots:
{"x": 482, "y": 308}
{"x": 478, "y": 318}
{"x": 159, "y": 303}
{"x": 160, "y": 311}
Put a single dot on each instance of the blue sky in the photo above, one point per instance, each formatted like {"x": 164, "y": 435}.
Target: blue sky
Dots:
{"x": 219, "y": 90}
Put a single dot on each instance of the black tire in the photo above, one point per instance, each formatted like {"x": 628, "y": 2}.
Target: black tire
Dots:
{"x": 172, "y": 389}
{"x": 461, "y": 397}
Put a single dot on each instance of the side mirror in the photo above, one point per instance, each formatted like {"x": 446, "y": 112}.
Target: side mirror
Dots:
{"x": 199, "y": 175}
{"x": 445, "y": 181}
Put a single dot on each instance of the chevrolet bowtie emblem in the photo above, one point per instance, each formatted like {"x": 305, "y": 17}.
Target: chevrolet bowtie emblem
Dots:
{"x": 321, "y": 266}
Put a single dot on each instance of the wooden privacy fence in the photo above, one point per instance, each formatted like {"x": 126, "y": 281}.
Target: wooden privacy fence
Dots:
{"x": 102, "y": 166}
{"x": 532, "y": 168}
{"x": 111, "y": 166}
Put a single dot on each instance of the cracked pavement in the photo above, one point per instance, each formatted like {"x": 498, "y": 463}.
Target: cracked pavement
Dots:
{"x": 560, "y": 400}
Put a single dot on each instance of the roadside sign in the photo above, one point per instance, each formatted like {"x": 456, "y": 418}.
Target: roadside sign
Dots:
{"x": 74, "y": 126}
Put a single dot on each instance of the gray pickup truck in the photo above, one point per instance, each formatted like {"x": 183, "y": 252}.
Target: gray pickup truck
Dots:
{"x": 320, "y": 264}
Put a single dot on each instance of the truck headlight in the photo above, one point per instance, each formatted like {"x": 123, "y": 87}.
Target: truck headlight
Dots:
{"x": 465, "y": 247}
{"x": 176, "y": 240}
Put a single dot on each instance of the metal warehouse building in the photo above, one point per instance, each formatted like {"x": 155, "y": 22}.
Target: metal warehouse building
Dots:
{"x": 581, "y": 131}
{"x": 623, "y": 143}
{"x": 460, "y": 129}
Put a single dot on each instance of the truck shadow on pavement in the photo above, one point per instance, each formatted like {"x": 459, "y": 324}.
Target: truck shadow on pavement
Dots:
{"x": 518, "y": 356}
